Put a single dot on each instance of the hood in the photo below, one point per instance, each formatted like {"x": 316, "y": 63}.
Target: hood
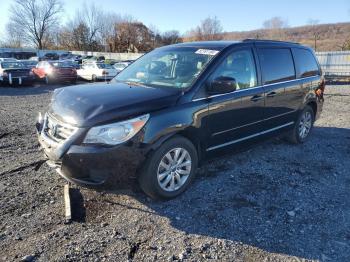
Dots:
{"x": 91, "y": 104}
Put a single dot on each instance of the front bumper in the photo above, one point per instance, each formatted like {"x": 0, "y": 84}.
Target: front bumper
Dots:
{"x": 94, "y": 165}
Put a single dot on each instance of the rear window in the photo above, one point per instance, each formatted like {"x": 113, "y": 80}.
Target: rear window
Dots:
{"x": 305, "y": 63}
{"x": 276, "y": 64}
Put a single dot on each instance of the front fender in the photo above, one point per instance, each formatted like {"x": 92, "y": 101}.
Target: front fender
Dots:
{"x": 189, "y": 119}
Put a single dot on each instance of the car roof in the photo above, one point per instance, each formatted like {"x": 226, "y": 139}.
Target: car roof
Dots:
{"x": 207, "y": 44}
{"x": 220, "y": 45}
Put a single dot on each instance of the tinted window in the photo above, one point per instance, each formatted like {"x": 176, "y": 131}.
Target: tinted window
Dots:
{"x": 305, "y": 63}
{"x": 276, "y": 65}
{"x": 239, "y": 65}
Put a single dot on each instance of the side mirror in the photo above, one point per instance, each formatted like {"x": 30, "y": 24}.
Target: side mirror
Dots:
{"x": 222, "y": 85}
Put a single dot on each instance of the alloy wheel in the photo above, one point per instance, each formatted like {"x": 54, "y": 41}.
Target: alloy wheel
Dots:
{"x": 305, "y": 124}
{"x": 174, "y": 169}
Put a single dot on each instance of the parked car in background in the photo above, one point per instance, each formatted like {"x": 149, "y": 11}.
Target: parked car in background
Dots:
{"x": 110, "y": 61}
{"x": 78, "y": 59}
{"x": 34, "y": 58}
{"x": 94, "y": 71}
{"x": 8, "y": 60}
{"x": 15, "y": 73}
{"x": 17, "y": 54}
{"x": 88, "y": 58}
{"x": 29, "y": 63}
{"x": 56, "y": 71}
{"x": 66, "y": 56}
{"x": 91, "y": 58}
{"x": 71, "y": 57}
{"x": 50, "y": 57}
{"x": 120, "y": 66}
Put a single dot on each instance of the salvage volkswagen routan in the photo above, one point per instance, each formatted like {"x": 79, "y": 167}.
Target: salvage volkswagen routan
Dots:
{"x": 177, "y": 105}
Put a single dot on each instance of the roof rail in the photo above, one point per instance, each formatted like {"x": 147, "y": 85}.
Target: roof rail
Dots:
{"x": 268, "y": 41}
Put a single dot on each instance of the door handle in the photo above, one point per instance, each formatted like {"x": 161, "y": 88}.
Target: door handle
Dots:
{"x": 271, "y": 94}
{"x": 256, "y": 98}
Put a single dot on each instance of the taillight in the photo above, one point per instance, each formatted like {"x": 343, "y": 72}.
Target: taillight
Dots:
{"x": 104, "y": 72}
{"x": 320, "y": 89}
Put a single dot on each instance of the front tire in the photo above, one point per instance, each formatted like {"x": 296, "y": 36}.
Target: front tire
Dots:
{"x": 169, "y": 170}
{"x": 303, "y": 126}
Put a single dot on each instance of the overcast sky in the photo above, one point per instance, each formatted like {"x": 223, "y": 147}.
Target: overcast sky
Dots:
{"x": 235, "y": 15}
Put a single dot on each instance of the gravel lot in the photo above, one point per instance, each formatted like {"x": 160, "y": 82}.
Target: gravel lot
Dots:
{"x": 273, "y": 202}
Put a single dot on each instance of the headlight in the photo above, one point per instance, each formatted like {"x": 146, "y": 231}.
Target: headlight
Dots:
{"x": 116, "y": 133}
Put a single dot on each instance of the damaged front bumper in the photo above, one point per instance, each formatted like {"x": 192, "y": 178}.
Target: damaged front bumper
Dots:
{"x": 91, "y": 165}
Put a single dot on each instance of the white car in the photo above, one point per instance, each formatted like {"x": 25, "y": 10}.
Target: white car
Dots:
{"x": 120, "y": 66}
{"x": 97, "y": 71}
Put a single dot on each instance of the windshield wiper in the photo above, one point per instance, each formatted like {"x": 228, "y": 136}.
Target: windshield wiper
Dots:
{"x": 132, "y": 83}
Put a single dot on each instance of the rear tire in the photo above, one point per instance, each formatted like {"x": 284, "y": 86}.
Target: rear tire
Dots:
{"x": 170, "y": 169}
{"x": 302, "y": 127}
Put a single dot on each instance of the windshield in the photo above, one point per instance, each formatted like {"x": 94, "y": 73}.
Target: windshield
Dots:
{"x": 104, "y": 66}
{"x": 176, "y": 67}
{"x": 11, "y": 65}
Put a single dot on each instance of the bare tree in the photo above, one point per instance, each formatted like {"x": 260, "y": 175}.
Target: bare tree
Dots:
{"x": 209, "y": 29}
{"x": 345, "y": 46}
{"x": 15, "y": 38}
{"x": 92, "y": 17}
{"x": 275, "y": 23}
{"x": 132, "y": 37}
{"x": 275, "y": 27}
{"x": 34, "y": 19}
{"x": 171, "y": 37}
{"x": 315, "y": 32}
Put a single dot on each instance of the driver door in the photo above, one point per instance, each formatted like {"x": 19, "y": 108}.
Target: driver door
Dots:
{"x": 236, "y": 116}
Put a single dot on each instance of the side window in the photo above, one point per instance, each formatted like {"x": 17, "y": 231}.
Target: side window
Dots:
{"x": 239, "y": 65}
{"x": 276, "y": 65}
{"x": 305, "y": 63}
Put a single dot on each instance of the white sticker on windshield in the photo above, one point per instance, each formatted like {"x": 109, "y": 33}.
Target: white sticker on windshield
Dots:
{"x": 207, "y": 52}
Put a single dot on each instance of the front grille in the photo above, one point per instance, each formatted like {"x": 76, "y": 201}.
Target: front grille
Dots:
{"x": 58, "y": 131}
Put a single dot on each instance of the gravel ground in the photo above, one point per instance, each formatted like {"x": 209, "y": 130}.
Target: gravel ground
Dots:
{"x": 273, "y": 202}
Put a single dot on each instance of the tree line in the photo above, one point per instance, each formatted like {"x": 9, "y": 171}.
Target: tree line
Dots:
{"x": 38, "y": 23}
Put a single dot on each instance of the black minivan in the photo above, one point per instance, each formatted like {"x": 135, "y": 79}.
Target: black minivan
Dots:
{"x": 177, "y": 105}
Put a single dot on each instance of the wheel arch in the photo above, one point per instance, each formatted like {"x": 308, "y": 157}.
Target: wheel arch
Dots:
{"x": 187, "y": 133}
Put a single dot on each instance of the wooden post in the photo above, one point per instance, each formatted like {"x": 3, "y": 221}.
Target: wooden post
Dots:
{"x": 67, "y": 204}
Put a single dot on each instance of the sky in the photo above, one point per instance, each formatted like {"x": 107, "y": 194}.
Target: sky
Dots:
{"x": 235, "y": 15}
